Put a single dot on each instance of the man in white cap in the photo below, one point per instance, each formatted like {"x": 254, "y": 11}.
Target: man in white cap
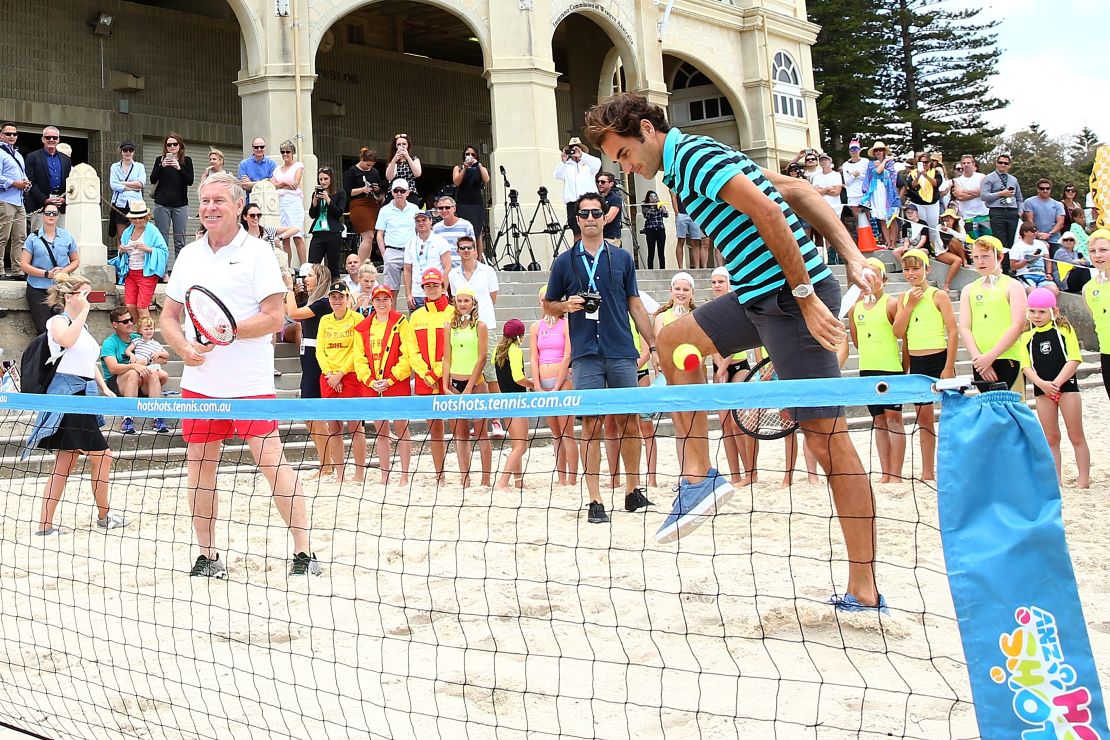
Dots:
{"x": 578, "y": 171}
{"x": 854, "y": 170}
{"x": 396, "y": 227}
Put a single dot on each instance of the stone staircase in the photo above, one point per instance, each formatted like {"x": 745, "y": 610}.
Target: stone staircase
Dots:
{"x": 518, "y": 297}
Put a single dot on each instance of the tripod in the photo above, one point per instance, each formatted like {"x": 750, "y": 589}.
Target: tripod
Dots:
{"x": 513, "y": 228}
{"x": 553, "y": 226}
{"x": 628, "y": 220}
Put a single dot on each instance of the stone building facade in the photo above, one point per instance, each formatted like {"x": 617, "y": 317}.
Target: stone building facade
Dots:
{"x": 511, "y": 77}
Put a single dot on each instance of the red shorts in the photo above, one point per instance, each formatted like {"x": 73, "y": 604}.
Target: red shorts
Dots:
{"x": 423, "y": 389}
{"x": 352, "y": 388}
{"x": 214, "y": 430}
{"x": 138, "y": 289}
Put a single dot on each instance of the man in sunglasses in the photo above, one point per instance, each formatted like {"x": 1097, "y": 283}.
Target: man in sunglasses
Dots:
{"x": 257, "y": 167}
{"x": 127, "y": 377}
{"x": 396, "y": 227}
{"x": 784, "y": 298}
{"x": 1002, "y": 194}
{"x": 47, "y": 169}
{"x": 13, "y": 185}
{"x": 594, "y": 284}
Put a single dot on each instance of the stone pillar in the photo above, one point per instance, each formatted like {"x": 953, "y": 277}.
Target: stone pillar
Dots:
{"x": 83, "y": 222}
{"x": 265, "y": 196}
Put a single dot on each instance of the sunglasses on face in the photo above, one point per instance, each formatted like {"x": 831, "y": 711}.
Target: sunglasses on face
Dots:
{"x": 254, "y": 215}
{"x": 9, "y": 133}
{"x": 1044, "y": 188}
{"x": 286, "y": 151}
{"x": 1001, "y": 162}
{"x": 172, "y": 143}
{"x": 259, "y": 146}
{"x": 50, "y": 138}
{"x": 128, "y": 151}
{"x": 50, "y": 214}
{"x": 399, "y": 190}
{"x": 590, "y": 213}
{"x": 465, "y": 247}
{"x": 126, "y": 321}
{"x": 444, "y": 208}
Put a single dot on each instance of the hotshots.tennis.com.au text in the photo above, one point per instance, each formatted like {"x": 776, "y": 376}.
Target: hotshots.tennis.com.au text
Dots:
{"x": 183, "y": 407}
{"x": 507, "y": 403}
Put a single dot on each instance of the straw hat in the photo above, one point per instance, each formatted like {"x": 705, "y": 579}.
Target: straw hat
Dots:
{"x": 876, "y": 145}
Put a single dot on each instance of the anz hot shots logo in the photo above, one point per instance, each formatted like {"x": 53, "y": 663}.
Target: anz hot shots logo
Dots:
{"x": 1048, "y": 695}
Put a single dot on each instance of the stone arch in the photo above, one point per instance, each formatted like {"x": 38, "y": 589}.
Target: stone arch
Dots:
{"x": 252, "y": 42}
{"x": 743, "y": 119}
{"x": 623, "y": 45}
{"x": 322, "y": 16}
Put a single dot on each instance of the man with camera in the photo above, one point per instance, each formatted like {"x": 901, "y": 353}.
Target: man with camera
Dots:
{"x": 47, "y": 169}
{"x": 594, "y": 284}
{"x": 577, "y": 171}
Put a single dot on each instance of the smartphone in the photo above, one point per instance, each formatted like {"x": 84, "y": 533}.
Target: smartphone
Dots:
{"x": 96, "y": 296}
{"x": 920, "y": 166}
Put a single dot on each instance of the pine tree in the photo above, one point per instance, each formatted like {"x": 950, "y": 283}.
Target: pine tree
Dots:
{"x": 1083, "y": 146}
{"x": 846, "y": 62}
{"x": 939, "y": 65}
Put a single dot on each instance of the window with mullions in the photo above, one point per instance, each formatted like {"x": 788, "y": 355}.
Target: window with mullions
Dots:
{"x": 787, "y": 87}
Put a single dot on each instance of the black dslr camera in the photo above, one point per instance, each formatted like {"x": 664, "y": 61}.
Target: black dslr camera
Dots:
{"x": 592, "y": 301}
{"x": 569, "y": 151}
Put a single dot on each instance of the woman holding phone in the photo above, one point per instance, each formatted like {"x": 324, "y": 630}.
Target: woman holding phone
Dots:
{"x": 470, "y": 179}
{"x": 172, "y": 177}
{"x": 403, "y": 164}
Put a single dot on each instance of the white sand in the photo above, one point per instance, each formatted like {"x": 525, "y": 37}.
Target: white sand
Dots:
{"x": 495, "y": 615}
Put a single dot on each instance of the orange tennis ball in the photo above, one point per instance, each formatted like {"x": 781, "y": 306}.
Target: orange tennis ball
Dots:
{"x": 686, "y": 357}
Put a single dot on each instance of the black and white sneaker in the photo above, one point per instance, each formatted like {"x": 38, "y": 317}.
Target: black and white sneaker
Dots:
{"x": 636, "y": 499}
{"x": 206, "y": 568}
{"x": 305, "y": 565}
{"x": 597, "y": 513}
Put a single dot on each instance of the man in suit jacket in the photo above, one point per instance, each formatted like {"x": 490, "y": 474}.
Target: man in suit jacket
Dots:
{"x": 47, "y": 169}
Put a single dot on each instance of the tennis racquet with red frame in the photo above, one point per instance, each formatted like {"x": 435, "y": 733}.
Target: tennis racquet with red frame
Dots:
{"x": 764, "y": 423}
{"x": 211, "y": 318}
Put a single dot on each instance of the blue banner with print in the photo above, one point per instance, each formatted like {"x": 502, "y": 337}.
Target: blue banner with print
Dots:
{"x": 1029, "y": 658}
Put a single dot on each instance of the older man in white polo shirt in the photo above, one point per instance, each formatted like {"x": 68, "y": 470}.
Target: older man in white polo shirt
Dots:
{"x": 241, "y": 270}
{"x": 395, "y": 228}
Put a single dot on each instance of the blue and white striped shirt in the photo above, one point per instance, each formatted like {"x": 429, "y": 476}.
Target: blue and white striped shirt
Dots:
{"x": 696, "y": 168}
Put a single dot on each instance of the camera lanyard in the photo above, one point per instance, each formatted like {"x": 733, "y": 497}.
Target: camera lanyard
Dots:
{"x": 591, "y": 270}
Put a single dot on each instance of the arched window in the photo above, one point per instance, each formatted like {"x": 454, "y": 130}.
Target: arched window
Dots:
{"x": 695, "y": 99}
{"x": 787, "y": 87}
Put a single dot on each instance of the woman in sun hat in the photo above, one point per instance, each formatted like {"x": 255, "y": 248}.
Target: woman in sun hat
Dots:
{"x": 880, "y": 191}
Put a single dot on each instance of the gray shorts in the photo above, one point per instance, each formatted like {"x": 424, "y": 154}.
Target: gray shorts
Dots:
{"x": 775, "y": 322}
{"x": 594, "y": 372}
{"x": 686, "y": 227}
{"x": 394, "y": 258}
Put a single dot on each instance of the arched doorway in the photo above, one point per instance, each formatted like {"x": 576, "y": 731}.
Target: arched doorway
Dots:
{"x": 400, "y": 67}
{"x": 581, "y": 46}
{"x": 697, "y": 105}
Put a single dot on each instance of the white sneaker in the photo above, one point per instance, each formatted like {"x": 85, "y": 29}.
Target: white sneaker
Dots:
{"x": 495, "y": 430}
{"x": 112, "y": 521}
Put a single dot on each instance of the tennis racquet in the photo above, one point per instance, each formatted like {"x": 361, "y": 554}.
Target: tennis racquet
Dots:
{"x": 764, "y": 423}
{"x": 214, "y": 324}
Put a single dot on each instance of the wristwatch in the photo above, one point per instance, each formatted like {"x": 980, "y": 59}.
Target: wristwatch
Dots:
{"x": 804, "y": 290}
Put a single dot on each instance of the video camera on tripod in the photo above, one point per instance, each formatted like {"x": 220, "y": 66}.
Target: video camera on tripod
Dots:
{"x": 516, "y": 234}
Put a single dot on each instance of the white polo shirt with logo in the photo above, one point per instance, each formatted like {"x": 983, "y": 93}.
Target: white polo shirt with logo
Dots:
{"x": 242, "y": 275}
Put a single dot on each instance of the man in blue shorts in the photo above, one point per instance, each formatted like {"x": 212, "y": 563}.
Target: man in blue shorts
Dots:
{"x": 594, "y": 284}
{"x": 688, "y": 234}
{"x": 784, "y": 298}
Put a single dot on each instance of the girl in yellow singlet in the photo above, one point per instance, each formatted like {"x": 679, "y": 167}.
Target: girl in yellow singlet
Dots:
{"x": 1097, "y": 295}
{"x": 926, "y": 322}
{"x": 992, "y": 317}
{"x": 465, "y": 352}
{"x": 871, "y": 324}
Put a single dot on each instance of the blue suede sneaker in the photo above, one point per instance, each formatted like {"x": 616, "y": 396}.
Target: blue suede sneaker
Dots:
{"x": 694, "y": 503}
{"x": 128, "y": 426}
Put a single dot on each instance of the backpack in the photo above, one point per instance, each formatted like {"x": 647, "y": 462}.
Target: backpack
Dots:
{"x": 36, "y": 368}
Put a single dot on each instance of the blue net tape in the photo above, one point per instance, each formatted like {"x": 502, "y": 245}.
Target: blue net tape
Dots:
{"x": 893, "y": 389}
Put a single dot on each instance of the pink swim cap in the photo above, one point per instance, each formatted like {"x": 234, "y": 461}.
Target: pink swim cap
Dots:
{"x": 1042, "y": 298}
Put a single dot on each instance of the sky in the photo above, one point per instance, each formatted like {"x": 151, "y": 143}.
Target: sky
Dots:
{"x": 1055, "y": 64}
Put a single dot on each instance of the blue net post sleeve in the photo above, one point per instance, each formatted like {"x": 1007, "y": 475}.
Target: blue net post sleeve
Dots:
{"x": 1032, "y": 671}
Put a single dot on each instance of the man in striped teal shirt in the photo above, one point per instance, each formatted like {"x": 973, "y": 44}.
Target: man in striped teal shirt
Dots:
{"x": 784, "y": 298}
